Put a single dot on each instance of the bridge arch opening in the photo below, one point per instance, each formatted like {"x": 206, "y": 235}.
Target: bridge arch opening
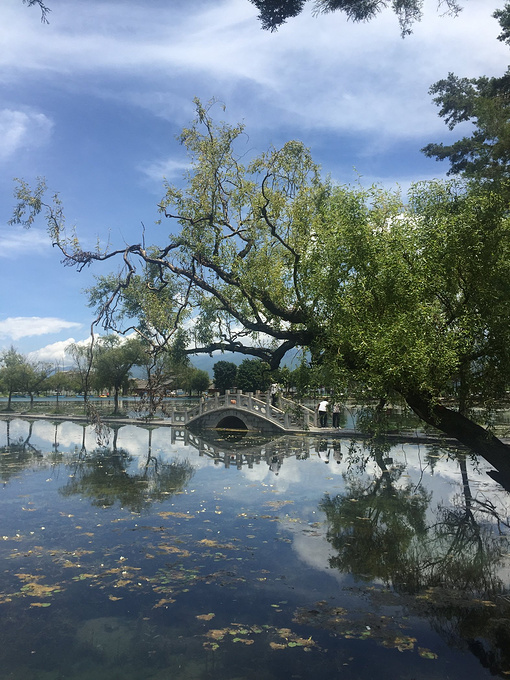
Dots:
{"x": 232, "y": 423}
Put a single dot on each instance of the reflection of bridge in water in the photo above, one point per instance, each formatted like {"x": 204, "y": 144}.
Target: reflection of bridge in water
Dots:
{"x": 248, "y": 451}
{"x": 240, "y": 411}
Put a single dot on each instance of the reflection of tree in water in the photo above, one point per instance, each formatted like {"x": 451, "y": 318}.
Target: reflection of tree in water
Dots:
{"x": 378, "y": 528}
{"x": 466, "y": 551}
{"x": 17, "y": 454}
{"x": 444, "y": 568}
{"x": 103, "y": 476}
{"x": 374, "y": 525}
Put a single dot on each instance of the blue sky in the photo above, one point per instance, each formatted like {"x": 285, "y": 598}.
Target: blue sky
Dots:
{"x": 93, "y": 102}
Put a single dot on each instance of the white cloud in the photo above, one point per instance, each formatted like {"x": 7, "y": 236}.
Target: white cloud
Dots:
{"x": 16, "y": 241}
{"x": 19, "y": 327}
{"x": 56, "y": 351}
{"x": 21, "y": 130}
{"x": 222, "y": 50}
{"x": 164, "y": 169}
{"x": 53, "y": 353}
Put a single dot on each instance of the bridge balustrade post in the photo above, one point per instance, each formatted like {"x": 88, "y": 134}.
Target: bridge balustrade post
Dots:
{"x": 286, "y": 420}
{"x": 250, "y": 400}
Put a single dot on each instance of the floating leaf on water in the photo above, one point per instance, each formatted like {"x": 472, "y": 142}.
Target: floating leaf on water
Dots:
{"x": 402, "y": 643}
{"x": 170, "y": 549}
{"x": 163, "y": 602}
{"x": 277, "y": 645}
{"x": 83, "y": 577}
{"x": 426, "y": 653}
{"x": 206, "y": 617}
{"x": 40, "y": 604}
{"x": 213, "y": 646}
{"x": 217, "y": 633}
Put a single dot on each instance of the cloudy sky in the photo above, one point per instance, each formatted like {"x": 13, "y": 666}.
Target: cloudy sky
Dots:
{"x": 93, "y": 102}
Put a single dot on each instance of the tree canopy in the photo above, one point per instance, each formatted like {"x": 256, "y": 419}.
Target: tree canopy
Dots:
{"x": 484, "y": 102}
{"x": 224, "y": 373}
{"x": 253, "y": 375}
{"x": 44, "y": 10}
{"x": 19, "y": 374}
{"x": 274, "y": 13}
{"x": 113, "y": 360}
{"x": 399, "y": 296}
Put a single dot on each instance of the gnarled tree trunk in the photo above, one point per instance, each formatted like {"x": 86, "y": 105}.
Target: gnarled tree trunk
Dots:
{"x": 467, "y": 432}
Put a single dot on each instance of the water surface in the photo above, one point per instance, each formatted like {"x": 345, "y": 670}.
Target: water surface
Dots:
{"x": 149, "y": 553}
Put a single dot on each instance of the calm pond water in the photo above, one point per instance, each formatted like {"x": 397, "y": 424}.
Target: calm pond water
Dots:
{"x": 140, "y": 553}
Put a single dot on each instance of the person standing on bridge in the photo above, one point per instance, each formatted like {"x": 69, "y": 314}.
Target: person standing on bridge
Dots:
{"x": 336, "y": 415}
{"x": 322, "y": 410}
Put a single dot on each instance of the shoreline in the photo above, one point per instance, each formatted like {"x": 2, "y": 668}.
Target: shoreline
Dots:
{"x": 341, "y": 433}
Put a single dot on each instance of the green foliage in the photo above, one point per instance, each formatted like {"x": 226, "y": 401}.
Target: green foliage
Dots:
{"x": 11, "y": 372}
{"x": 421, "y": 291}
{"x": 384, "y": 294}
{"x": 253, "y": 375}
{"x": 18, "y": 374}
{"x": 198, "y": 381}
{"x": 149, "y": 303}
{"x": 273, "y": 13}
{"x": 113, "y": 360}
{"x": 225, "y": 374}
{"x": 62, "y": 381}
{"x": 178, "y": 356}
{"x": 483, "y": 101}
{"x": 82, "y": 368}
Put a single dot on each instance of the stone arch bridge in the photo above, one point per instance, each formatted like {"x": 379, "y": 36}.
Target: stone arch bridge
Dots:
{"x": 240, "y": 411}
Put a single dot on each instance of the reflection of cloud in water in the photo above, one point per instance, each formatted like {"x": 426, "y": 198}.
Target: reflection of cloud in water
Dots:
{"x": 282, "y": 473}
{"x": 312, "y": 547}
{"x": 69, "y": 435}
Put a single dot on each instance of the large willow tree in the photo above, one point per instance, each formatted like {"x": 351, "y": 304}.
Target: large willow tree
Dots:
{"x": 402, "y": 297}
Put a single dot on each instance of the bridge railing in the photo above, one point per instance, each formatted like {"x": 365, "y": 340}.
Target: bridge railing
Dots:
{"x": 288, "y": 413}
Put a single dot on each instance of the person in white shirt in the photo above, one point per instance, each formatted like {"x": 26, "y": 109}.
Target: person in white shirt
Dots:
{"x": 322, "y": 410}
